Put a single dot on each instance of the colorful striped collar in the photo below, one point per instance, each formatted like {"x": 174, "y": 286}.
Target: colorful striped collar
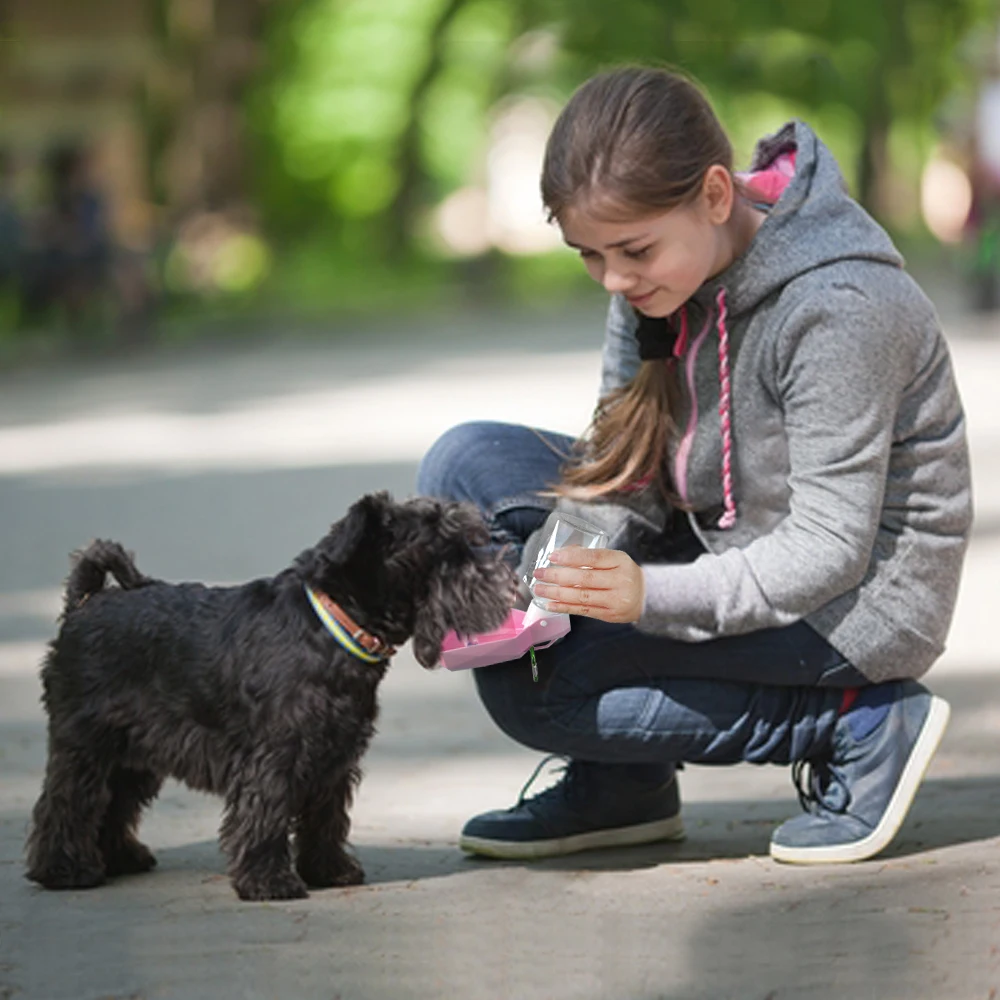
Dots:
{"x": 351, "y": 636}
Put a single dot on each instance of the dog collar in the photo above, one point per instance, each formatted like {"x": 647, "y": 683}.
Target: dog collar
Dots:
{"x": 350, "y": 635}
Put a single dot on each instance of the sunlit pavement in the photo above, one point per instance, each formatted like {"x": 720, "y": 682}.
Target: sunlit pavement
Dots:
{"x": 222, "y": 465}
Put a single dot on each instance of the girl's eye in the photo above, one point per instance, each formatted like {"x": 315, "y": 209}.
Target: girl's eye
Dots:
{"x": 587, "y": 254}
{"x": 637, "y": 254}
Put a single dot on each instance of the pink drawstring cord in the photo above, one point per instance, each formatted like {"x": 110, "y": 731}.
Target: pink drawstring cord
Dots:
{"x": 728, "y": 518}
{"x": 681, "y": 343}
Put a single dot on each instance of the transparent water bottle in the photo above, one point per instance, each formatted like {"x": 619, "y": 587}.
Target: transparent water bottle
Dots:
{"x": 562, "y": 529}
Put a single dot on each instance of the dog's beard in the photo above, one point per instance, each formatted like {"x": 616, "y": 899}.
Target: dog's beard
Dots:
{"x": 470, "y": 599}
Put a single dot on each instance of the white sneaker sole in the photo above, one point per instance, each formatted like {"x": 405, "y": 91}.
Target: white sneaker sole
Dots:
{"x": 625, "y": 836}
{"x": 899, "y": 805}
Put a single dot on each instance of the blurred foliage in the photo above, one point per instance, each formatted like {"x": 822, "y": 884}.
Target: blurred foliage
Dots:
{"x": 372, "y": 111}
{"x": 363, "y": 101}
{"x": 869, "y": 73}
{"x": 366, "y": 116}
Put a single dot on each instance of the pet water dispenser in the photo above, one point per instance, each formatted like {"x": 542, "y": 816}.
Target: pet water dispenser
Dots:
{"x": 537, "y": 627}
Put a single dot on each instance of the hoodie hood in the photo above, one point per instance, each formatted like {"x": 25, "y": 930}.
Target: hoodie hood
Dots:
{"x": 813, "y": 222}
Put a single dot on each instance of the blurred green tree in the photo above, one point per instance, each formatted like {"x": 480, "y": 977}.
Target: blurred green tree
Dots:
{"x": 372, "y": 111}
{"x": 871, "y": 64}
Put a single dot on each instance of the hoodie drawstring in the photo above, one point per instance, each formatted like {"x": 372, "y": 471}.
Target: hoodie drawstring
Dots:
{"x": 681, "y": 343}
{"x": 728, "y": 518}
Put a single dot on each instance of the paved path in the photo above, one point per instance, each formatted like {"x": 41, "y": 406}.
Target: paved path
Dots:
{"x": 222, "y": 465}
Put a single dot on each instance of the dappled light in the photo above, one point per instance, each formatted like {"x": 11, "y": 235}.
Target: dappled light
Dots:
{"x": 299, "y": 429}
{"x": 323, "y": 157}
{"x": 945, "y": 198}
{"x": 259, "y": 257}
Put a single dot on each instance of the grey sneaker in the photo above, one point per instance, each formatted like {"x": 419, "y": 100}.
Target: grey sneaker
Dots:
{"x": 857, "y": 797}
{"x": 592, "y": 806}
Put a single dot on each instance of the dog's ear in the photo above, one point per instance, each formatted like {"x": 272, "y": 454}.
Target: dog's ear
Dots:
{"x": 351, "y": 531}
{"x": 431, "y": 624}
{"x": 346, "y": 534}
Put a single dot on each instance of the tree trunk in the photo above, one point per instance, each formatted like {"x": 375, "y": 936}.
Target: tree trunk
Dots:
{"x": 402, "y": 212}
{"x": 875, "y": 166}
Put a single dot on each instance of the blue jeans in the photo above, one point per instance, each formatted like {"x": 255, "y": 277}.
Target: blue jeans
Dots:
{"x": 609, "y": 693}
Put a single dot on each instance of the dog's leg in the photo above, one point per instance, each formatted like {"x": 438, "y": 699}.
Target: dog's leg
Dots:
{"x": 63, "y": 849}
{"x": 130, "y": 792}
{"x": 254, "y": 835}
{"x": 321, "y": 835}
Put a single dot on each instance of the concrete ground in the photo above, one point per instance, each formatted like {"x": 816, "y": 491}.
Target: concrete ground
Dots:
{"x": 221, "y": 465}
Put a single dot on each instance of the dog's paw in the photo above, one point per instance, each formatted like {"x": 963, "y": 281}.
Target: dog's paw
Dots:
{"x": 283, "y": 886}
{"x": 353, "y": 874}
{"x": 341, "y": 871}
{"x": 66, "y": 876}
{"x": 131, "y": 858}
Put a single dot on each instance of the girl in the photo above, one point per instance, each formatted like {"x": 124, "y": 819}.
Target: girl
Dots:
{"x": 779, "y": 456}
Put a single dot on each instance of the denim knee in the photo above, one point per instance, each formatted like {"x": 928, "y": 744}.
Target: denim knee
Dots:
{"x": 439, "y": 472}
{"x": 515, "y": 703}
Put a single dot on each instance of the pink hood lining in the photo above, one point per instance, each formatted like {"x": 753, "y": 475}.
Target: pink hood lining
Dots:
{"x": 769, "y": 182}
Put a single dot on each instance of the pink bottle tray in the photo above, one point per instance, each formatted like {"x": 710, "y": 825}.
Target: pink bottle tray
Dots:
{"x": 509, "y": 642}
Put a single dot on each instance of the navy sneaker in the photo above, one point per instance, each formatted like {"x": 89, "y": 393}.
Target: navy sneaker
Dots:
{"x": 591, "y": 806}
{"x": 857, "y": 796}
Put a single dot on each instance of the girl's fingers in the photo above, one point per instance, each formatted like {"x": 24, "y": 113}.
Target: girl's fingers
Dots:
{"x": 567, "y": 576}
{"x": 575, "y": 566}
{"x": 577, "y": 555}
{"x": 587, "y": 610}
{"x": 566, "y": 609}
{"x": 598, "y": 604}
{"x": 569, "y": 595}
{"x": 608, "y": 590}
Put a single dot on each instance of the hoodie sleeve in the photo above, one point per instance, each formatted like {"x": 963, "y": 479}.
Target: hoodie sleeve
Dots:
{"x": 840, "y": 374}
{"x": 620, "y": 356}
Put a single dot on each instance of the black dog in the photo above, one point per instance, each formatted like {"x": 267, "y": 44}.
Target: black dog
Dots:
{"x": 263, "y": 693}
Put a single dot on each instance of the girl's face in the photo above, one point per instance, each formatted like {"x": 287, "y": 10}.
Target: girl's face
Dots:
{"x": 658, "y": 261}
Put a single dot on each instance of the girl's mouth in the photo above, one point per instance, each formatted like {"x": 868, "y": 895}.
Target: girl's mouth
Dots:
{"x": 638, "y": 300}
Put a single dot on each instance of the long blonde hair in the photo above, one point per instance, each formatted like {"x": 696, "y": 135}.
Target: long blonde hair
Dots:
{"x": 629, "y": 143}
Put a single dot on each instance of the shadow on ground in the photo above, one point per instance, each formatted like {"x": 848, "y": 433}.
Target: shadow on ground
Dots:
{"x": 947, "y": 813}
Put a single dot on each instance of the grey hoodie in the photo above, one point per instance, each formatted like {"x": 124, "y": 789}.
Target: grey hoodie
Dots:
{"x": 850, "y": 500}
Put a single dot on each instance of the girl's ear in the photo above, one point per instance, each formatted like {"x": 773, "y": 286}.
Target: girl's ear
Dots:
{"x": 718, "y": 192}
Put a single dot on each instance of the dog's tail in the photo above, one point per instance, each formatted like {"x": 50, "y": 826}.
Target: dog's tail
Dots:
{"x": 91, "y": 567}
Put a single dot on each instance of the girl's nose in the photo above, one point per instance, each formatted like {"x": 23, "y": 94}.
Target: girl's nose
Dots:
{"x": 615, "y": 280}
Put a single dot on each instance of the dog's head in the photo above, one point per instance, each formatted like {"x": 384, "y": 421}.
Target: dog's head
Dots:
{"x": 412, "y": 569}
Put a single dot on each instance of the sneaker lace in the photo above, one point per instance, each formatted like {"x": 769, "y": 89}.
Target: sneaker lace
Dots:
{"x": 819, "y": 785}
{"x": 564, "y": 786}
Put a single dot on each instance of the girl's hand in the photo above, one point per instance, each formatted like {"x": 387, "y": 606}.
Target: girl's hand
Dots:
{"x": 611, "y": 588}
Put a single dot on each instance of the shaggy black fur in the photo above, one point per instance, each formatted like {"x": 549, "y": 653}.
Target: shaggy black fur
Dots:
{"x": 242, "y": 691}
